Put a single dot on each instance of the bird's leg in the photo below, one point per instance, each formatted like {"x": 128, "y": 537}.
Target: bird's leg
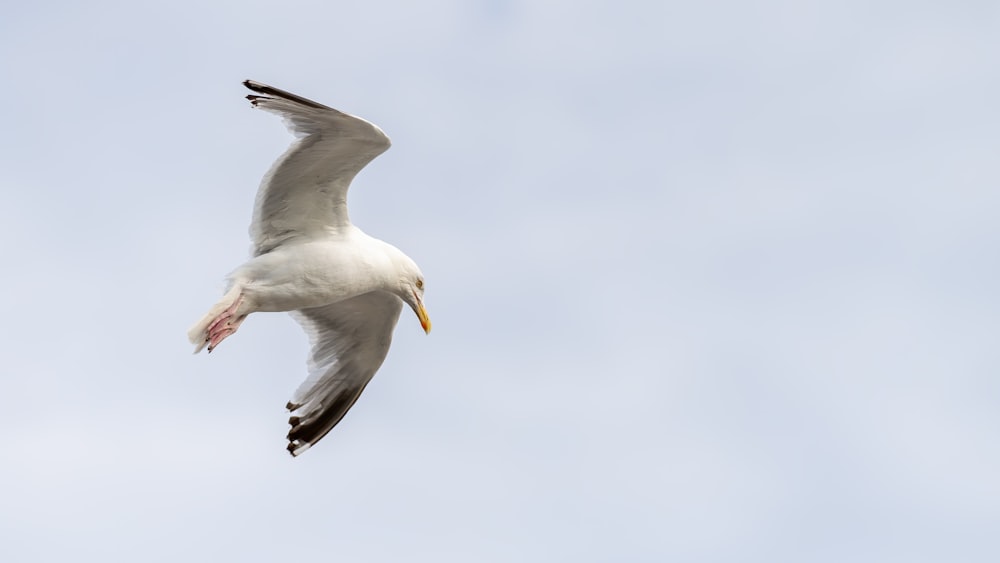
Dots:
{"x": 225, "y": 324}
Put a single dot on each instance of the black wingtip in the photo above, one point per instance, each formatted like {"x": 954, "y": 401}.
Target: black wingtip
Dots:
{"x": 256, "y": 87}
{"x": 272, "y": 91}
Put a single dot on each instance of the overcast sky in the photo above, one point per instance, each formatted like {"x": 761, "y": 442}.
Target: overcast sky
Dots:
{"x": 710, "y": 281}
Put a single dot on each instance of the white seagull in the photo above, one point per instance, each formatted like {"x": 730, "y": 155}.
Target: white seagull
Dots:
{"x": 344, "y": 287}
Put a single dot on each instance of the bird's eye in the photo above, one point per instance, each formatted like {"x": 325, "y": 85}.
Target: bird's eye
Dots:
{"x": 420, "y": 283}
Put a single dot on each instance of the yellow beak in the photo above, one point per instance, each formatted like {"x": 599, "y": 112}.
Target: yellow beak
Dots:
{"x": 425, "y": 321}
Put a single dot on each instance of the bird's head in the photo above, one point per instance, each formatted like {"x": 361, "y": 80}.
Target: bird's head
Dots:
{"x": 411, "y": 291}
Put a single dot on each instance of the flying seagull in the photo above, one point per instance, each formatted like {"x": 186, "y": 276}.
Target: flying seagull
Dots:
{"x": 344, "y": 287}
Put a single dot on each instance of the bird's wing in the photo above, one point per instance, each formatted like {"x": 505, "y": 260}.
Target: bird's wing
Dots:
{"x": 350, "y": 339}
{"x": 305, "y": 192}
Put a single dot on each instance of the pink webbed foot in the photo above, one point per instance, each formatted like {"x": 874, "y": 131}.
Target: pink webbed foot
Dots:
{"x": 224, "y": 325}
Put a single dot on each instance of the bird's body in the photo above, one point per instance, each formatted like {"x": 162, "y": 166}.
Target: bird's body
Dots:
{"x": 314, "y": 272}
{"x": 344, "y": 287}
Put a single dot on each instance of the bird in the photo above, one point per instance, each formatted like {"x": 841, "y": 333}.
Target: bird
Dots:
{"x": 345, "y": 288}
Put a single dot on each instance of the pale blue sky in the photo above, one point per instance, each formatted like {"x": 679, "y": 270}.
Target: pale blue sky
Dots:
{"x": 710, "y": 282}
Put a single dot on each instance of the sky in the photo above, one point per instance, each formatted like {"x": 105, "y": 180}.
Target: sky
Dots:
{"x": 710, "y": 282}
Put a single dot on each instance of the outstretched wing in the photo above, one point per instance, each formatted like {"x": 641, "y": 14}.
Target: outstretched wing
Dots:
{"x": 350, "y": 340}
{"x": 305, "y": 192}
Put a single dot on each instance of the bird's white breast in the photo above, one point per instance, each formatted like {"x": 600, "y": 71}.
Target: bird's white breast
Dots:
{"x": 312, "y": 274}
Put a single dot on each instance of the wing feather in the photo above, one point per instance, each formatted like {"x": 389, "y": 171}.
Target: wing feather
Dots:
{"x": 305, "y": 192}
{"x": 350, "y": 340}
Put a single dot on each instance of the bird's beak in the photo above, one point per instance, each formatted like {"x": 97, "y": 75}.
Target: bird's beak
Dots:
{"x": 425, "y": 321}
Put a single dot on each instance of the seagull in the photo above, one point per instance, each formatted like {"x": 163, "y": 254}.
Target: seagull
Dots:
{"x": 344, "y": 287}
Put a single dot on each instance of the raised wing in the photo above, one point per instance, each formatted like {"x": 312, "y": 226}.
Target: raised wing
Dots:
{"x": 305, "y": 192}
{"x": 350, "y": 340}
